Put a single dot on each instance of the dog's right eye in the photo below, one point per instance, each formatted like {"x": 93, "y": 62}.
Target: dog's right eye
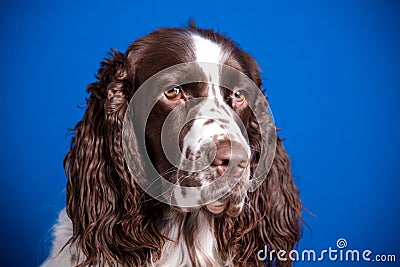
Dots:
{"x": 174, "y": 93}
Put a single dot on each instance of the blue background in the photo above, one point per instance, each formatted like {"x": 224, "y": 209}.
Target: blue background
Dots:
{"x": 331, "y": 69}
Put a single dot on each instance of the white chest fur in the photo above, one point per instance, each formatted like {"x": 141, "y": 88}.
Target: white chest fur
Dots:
{"x": 191, "y": 238}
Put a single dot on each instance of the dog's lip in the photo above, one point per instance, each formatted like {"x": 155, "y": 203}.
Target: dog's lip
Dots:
{"x": 216, "y": 207}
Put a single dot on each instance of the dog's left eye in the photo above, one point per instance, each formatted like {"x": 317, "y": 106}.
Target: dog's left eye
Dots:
{"x": 173, "y": 93}
{"x": 239, "y": 97}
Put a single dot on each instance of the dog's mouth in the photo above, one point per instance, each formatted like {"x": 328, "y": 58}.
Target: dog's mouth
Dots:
{"x": 216, "y": 208}
{"x": 211, "y": 201}
{"x": 214, "y": 193}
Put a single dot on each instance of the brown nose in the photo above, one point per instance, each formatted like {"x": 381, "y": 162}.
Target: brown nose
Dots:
{"x": 232, "y": 155}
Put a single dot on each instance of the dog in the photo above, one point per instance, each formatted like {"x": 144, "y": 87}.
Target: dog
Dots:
{"x": 223, "y": 193}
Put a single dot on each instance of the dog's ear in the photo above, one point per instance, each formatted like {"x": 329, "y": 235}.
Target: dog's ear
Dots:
{"x": 110, "y": 225}
{"x": 275, "y": 203}
{"x": 277, "y": 208}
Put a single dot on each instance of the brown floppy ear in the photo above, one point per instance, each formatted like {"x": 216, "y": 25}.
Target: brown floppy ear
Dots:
{"x": 110, "y": 226}
{"x": 277, "y": 209}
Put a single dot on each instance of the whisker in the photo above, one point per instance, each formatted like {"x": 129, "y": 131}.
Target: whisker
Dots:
{"x": 184, "y": 177}
{"x": 168, "y": 171}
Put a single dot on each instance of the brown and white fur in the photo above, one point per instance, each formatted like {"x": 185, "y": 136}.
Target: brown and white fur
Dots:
{"x": 110, "y": 221}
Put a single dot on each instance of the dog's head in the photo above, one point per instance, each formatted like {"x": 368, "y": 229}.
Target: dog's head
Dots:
{"x": 181, "y": 116}
{"x": 194, "y": 110}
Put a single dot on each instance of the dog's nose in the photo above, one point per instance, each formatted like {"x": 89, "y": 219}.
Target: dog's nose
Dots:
{"x": 232, "y": 155}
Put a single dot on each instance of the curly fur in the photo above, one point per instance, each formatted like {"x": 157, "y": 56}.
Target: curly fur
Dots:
{"x": 116, "y": 223}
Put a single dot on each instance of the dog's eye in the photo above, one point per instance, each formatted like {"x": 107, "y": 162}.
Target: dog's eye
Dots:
{"x": 239, "y": 97}
{"x": 173, "y": 93}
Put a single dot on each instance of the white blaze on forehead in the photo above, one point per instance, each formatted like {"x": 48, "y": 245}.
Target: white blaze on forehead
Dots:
{"x": 207, "y": 52}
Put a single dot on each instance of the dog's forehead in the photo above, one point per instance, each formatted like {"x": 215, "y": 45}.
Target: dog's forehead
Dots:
{"x": 207, "y": 51}
{"x": 201, "y": 61}
{"x": 210, "y": 55}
